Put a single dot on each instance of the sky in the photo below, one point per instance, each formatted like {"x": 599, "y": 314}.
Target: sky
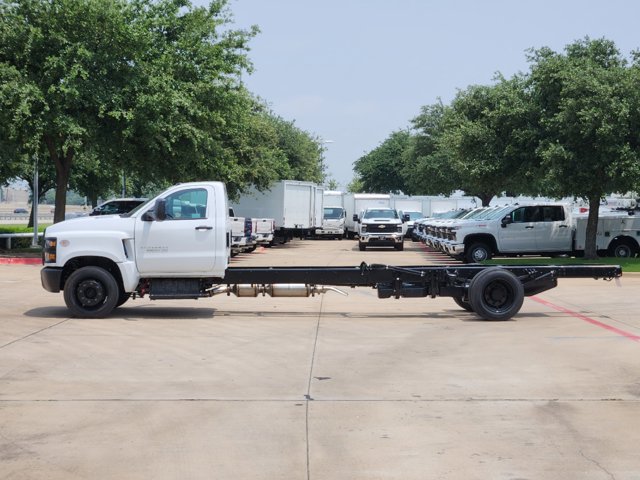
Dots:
{"x": 351, "y": 72}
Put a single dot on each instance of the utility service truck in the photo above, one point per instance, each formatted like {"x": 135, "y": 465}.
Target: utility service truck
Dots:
{"x": 538, "y": 229}
{"x": 164, "y": 251}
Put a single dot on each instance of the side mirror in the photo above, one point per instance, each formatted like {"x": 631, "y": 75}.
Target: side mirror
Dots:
{"x": 506, "y": 221}
{"x": 160, "y": 209}
{"x": 405, "y": 217}
{"x": 355, "y": 217}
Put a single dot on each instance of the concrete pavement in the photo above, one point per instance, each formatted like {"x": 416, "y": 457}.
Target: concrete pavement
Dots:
{"x": 329, "y": 387}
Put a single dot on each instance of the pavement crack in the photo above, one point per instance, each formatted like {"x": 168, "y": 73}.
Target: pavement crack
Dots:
{"x": 32, "y": 334}
{"x": 597, "y": 464}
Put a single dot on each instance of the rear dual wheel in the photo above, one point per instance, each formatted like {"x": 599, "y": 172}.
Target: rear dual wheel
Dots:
{"x": 494, "y": 294}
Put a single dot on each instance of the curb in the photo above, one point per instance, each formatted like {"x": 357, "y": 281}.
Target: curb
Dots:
{"x": 20, "y": 261}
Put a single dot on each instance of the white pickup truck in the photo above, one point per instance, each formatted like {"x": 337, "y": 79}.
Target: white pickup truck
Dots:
{"x": 538, "y": 229}
{"x": 177, "y": 246}
{"x": 380, "y": 227}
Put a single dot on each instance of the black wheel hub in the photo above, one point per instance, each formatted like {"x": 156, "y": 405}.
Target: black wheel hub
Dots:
{"x": 497, "y": 296}
{"x": 90, "y": 293}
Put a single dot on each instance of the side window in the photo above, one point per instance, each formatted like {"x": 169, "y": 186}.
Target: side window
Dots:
{"x": 187, "y": 204}
{"x": 552, "y": 213}
{"x": 517, "y": 216}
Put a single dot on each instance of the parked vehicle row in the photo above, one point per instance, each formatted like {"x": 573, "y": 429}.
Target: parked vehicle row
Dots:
{"x": 532, "y": 229}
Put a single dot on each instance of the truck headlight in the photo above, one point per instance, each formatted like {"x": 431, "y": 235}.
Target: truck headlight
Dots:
{"x": 49, "y": 250}
{"x": 399, "y": 229}
{"x": 363, "y": 228}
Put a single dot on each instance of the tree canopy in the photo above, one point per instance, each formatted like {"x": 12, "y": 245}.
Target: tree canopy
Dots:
{"x": 151, "y": 88}
{"x": 567, "y": 128}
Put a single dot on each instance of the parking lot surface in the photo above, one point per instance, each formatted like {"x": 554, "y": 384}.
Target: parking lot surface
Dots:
{"x": 329, "y": 387}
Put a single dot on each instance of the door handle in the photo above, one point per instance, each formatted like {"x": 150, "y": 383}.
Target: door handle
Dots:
{"x": 563, "y": 226}
{"x": 529, "y": 227}
{"x": 204, "y": 227}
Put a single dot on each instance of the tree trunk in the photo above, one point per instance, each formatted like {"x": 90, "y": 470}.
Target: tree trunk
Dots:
{"x": 590, "y": 249}
{"x": 485, "y": 198}
{"x": 63, "y": 170}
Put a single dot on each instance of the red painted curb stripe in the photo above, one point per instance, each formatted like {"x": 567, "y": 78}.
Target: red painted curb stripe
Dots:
{"x": 617, "y": 331}
{"x": 20, "y": 261}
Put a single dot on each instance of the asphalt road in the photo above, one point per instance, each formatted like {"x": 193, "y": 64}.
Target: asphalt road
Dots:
{"x": 330, "y": 387}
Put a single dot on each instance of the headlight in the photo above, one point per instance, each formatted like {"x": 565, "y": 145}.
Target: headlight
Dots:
{"x": 49, "y": 250}
{"x": 399, "y": 229}
{"x": 363, "y": 228}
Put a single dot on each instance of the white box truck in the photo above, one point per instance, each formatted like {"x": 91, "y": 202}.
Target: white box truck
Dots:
{"x": 333, "y": 216}
{"x": 292, "y": 204}
{"x": 356, "y": 203}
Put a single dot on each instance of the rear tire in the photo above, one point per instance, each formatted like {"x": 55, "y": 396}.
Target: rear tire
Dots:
{"x": 623, "y": 249}
{"x": 91, "y": 292}
{"x": 463, "y": 304}
{"x": 496, "y": 294}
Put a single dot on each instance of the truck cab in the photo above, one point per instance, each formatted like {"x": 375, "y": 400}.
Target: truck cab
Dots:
{"x": 380, "y": 227}
{"x": 333, "y": 222}
{"x": 183, "y": 233}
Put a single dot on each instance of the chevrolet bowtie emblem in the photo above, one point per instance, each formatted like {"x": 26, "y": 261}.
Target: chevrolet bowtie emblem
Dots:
{"x": 380, "y": 227}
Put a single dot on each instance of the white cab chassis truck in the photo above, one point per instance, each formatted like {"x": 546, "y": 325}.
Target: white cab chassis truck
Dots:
{"x": 177, "y": 246}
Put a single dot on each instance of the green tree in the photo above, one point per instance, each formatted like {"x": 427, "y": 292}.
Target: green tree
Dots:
{"x": 147, "y": 84}
{"x": 588, "y": 99}
{"x": 427, "y": 168}
{"x": 381, "y": 169}
{"x": 490, "y": 137}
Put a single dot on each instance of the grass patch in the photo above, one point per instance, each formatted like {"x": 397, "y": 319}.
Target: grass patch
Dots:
{"x": 627, "y": 264}
{"x": 21, "y": 228}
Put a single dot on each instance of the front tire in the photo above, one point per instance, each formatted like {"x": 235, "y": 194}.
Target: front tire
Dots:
{"x": 496, "y": 294}
{"x": 362, "y": 246}
{"x": 399, "y": 246}
{"x": 478, "y": 252}
{"x": 91, "y": 292}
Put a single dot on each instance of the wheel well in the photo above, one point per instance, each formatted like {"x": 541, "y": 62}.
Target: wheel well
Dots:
{"x": 623, "y": 239}
{"x": 483, "y": 238}
{"x": 79, "y": 262}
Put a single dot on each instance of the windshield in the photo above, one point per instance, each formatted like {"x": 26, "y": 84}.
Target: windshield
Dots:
{"x": 138, "y": 208}
{"x": 498, "y": 213}
{"x": 414, "y": 215}
{"x": 380, "y": 214}
{"x": 333, "y": 213}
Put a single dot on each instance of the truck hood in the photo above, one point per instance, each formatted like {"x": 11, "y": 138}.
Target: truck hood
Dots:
{"x": 112, "y": 223}
{"x": 380, "y": 220}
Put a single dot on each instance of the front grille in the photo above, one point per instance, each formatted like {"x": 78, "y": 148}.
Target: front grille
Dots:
{"x": 382, "y": 228}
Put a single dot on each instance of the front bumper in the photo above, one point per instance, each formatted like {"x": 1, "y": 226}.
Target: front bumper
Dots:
{"x": 330, "y": 231}
{"x": 382, "y": 239}
{"x": 51, "y": 278}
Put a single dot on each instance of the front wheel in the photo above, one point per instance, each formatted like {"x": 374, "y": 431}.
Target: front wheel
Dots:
{"x": 478, "y": 252}
{"x": 362, "y": 247}
{"x": 496, "y": 294}
{"x": 399, "y": 246}
{"x": 91, "y": 292}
